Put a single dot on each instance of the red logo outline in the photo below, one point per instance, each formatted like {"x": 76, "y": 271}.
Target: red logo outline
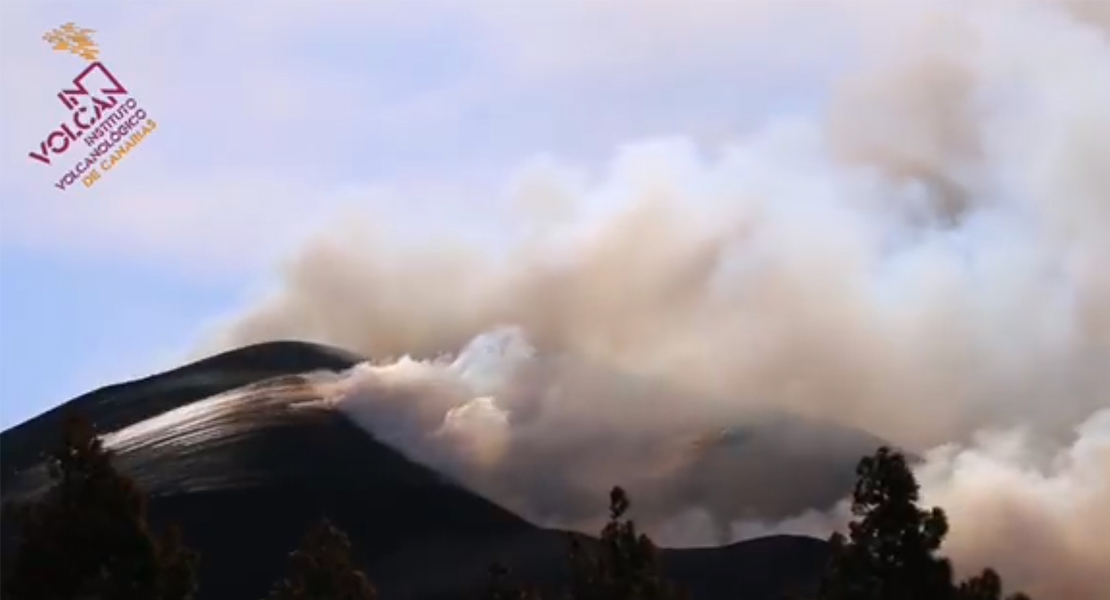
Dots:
{"x": 68, "y": 97}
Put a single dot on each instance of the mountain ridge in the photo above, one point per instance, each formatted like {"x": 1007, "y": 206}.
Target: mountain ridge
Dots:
{"x": 418, "y": 534}
{"x": 213, "y": 374}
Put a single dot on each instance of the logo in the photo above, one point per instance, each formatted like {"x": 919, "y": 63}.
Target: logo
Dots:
{"x": 102, "y": 114}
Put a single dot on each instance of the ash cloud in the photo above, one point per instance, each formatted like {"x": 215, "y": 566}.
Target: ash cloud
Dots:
{"x": 926, "y": 263}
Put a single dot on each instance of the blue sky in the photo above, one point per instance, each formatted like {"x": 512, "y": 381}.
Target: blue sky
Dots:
{"x": 270, "y": 121}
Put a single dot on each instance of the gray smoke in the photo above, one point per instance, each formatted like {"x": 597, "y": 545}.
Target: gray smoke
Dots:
{"x": 928, "y": 263}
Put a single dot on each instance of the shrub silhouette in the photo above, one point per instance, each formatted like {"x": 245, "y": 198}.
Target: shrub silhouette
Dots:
{"x": 985, "y": 586}
{"x": 323, "y": 569}
{"x": 890, "y": 552}
{"x": 499, "y": 587}
{"x": 88, "y": 536}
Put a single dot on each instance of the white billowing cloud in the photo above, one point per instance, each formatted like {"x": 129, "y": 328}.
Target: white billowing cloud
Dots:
{"x": 1040, "y": 518}
{"x": 347, "y": 91}
{"x": 319, "y": 92}
{"x": 924, "y": 264}
{"x": 921, "y": 264}
{"x": 479, "y": 428}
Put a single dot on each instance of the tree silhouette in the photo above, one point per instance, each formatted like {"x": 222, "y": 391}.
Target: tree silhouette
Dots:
{"x": 87, "y": 536}
{"x": 890, "y": 552}
{"x": 985, "y": 586}
{"x": 623, "y": 566}
{"x": 323, "y": 569}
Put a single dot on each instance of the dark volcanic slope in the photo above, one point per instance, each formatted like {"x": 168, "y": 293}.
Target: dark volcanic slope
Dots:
{"x": 244, "y": 473}
{"x": 771, "y": 568}
{"x": 123, "y": 404}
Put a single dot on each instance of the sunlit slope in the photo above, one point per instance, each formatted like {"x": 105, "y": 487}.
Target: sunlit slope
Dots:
{"x": 116, "y": 406}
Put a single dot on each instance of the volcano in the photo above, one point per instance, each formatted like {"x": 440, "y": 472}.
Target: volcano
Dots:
{"x": 243, "y": 454}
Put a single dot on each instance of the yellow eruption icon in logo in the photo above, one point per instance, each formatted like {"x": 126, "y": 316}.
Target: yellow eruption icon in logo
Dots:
{"x": 73, "y": 39}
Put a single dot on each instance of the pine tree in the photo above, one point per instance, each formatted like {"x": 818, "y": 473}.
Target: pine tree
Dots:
{"x": 323, "y": 569}
{"x": 624, "y": 565}
{"x": 88, "y": 535}
{"x": 890, "y": 552}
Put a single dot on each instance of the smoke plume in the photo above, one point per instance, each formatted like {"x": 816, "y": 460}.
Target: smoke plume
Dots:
{"x": 927, "y": 263}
